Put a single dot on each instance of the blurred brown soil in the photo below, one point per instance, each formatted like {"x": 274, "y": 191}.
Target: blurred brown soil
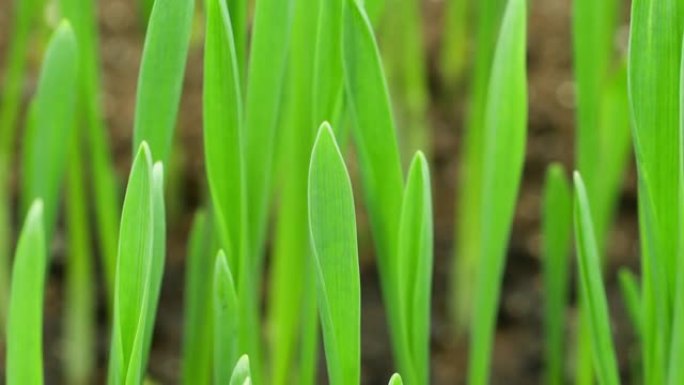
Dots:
{"x": 518, "y": 357}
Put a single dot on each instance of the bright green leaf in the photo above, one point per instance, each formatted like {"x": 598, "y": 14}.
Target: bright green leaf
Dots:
{"x": 504, "y": 149}
{"x": 161, "y": 75}
{"x": 593, "y": 291}
{"x": 25, "y": 322}
{"x": 332, "y": 222}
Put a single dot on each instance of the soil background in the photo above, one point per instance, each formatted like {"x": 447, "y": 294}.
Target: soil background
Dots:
{"x": 518, "y": 351}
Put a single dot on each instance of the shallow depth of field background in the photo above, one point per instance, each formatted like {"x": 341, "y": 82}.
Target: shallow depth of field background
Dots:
{"x": 518, "y": 350}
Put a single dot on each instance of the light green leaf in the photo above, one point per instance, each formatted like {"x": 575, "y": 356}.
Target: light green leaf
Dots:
{"x": 593, "y": 291}
{"x": 377, "y": 149}
{"x": 265, "y": 78}
{"x": 556, "y": 240}
{"x": 79, "y": 313}
{"x": 241, "y": 373}
{"x": 161, "y": 75}
{"x": 415, "y": 253}
{"x": 25, "y": 322}
{"x": 654, "y": 88}
{"x": 454, "y": 54}
{"x": 293, "y": 317}
{"x": 222, "y": 132}
{"x": 82, "y": 16}
{"x": 504, "y": 150}
{"x": 24, "y": 17}
{"x": 158, "y": 255}
{"x": 396, "y": 380}
{"x": 469, "y": 200}
{"x": 226, "y": 320}
{"x": 134, "y": 272}
{"x": 45, "y": 157}
{"x": 198, "y": 319}
{"x": 332, "y": 222}
{"x": 328, "y": 71}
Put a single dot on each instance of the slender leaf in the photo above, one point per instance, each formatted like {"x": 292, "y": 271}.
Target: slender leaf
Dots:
{"x": 81, "y": 14}
{"x": 654, "y": 67}
{"x": 25, "y": 322}
{"x": 556, "y": 235}
{"x": 134, "y": 272}
{"x": 454, "y": 56}
{"x": 265, "y": 78}
{"x": 222, "y": 131}
{"x": 380, "y": 166}
{"x": 79, "y": 323}
{"x": 24, "y": 16}
{"x": 332, "y": 222}
{"x": 405, "y": 62}
{"x": 198, "y": 319}
{"x": 593, "y": 291}
{"x": 470, "y": 195}
{"x": 161, "y": 75}
{"x": 676, "y": 352}
{"x": 504, "y": 149}
{"x": 158, "y": 255}
{"x": 46, "y": 156}
{"x": 226, "y": 320}
{"x": 415, "y": 267}
{"x": 328, "y": 70}
{"x": 293, "y": 289}
{"x": 224, "y": 152}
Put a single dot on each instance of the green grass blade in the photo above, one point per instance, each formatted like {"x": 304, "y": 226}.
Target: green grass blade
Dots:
{"x": 654, "y": 66}
{"x": 79, "y": 322}
{"x": 46, "y": 156}
{"x": 396, "y": 380}
{"x": 161, "y": 75}
{"x": 25, "y": 322}
{"x": 504, "y": 149}
{"x": 238, "y": 19}
{"x": 454, "y": 54}
{"x": 81, "y": 14}
{"x": 676, "y": 373}
{"x": 380, "y": 166}
{"x": 134, "y": 266}
{"x": 615, "y": 141}
{"x": 469, "y": 200}
{"x": 415, "y": 268}
{"x": 226, "y": 319}
{"x": 556, "y": 237}
{"x": 328, "y": 70}
{"x": 26, "y": 13}
{"x": 292, "y": 293}
{"x": 158, "y": 256}
{"x": 224, "y": 153}
{"x": 405, "y": 62}
{"x": 629, "y": 287}
{"x": 593, "y": 291}
{"x": 198, "y": 325}
{"x": 332, "y": 222}
{"x": 654, "y": 88}
{"x": 222, "y": 131}
{"x": 593, "y": 30}
{"x": 265, "y": 78}
{"x": 241, "y": 373}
